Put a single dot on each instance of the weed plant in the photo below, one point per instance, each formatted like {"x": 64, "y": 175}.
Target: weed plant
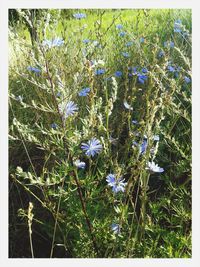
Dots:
{"x": 100, "y": 133}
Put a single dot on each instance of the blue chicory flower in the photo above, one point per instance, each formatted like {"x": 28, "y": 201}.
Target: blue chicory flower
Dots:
{"x": 58, "y": 94}
{"x": 161, "y": 54}
{"x": 99, "y": 71}
{"x": 122, "y": 34}
{"x": 116, "y": 184}
{"x": 133, "y": 71}
{"x": 130, "y": 43}
{"x": 177, "y": 25}
{"x": 141, "y": 78}
{"x": 79, "y": 164}
{"x": 110, "y": 179}
{"x": 135, "y": 144}
{"x": 151, "y": 166}
{"x": 142, "y": 40}
{"x": 125, "y": 54}
{"x": 33, "y": 69}
{"x": 86, "y": 41}
{"x": 92, "y": 147}
{"x": 84, "y": 92}
{"x": 187, "y": 79}
{"x": 170, "y": 68}
{"x": 176, "y": 74}
{"x": 144, "y": 70}
{"x": 115, "y": 228}
{"x": 54, "y": 126}
{"x": 118, "y": 73}
{"x": 53, "y": 43}
{"x": 79, "y": 15}
{"x": 68, "y": 109}
{"x": 97, "y": 44}
{"x": 134, "y": 122}
{"x": 169, "y": 44}
{"x": 119, "y": 26}
{"x": 143, "y": 146}
{"x": 174, "y": 69}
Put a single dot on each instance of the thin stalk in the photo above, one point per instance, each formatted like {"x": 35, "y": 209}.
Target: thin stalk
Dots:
{"x": 56, "y": 221}
{"x": 30, "y": 219}
{"x": 83, "y": 204}
{"x": 131, "y": 230}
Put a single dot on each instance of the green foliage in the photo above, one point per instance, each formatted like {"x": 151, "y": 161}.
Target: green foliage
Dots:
{"x": 74, "y": 208}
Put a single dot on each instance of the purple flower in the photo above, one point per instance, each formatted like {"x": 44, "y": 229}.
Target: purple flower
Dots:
{"x": 151, "y": 166}
{"x": 115, "y": 228}
{"x": 84, "y": 91}
{"x": 116, "y": 184}
{"x": 92, "y": 147}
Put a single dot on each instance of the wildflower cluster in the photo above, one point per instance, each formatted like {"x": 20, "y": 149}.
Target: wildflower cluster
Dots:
{"x": 111, "y": 119}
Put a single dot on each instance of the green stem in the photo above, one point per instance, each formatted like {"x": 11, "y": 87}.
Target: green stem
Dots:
{"x": 56, "y": 221}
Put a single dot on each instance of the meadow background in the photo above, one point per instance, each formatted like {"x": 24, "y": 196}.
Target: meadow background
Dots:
{"x": 100, "y": 133}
